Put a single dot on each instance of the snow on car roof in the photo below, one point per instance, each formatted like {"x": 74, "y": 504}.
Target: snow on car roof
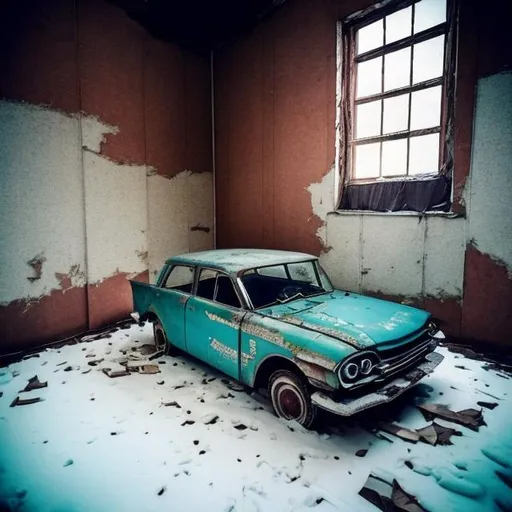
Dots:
{"x": 236, "y": 260}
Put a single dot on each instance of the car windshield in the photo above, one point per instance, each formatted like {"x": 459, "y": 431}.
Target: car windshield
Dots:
{"x": 278, "y": 284}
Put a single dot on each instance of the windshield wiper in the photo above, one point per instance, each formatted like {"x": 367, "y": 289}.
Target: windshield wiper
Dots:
{"x": 293, "y": 297}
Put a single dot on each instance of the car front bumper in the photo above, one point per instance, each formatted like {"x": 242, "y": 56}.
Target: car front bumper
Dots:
{"x": 348, "y": 406}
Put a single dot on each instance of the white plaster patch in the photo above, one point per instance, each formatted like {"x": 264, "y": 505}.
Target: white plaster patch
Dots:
{"x": 444, "y": 257}
{"x": 392, "y": 254}
{"x": 41, "y": 199}
{"x": 322, "y": 197}
{"x": 342, "y": 261}
{"x": 490, "y": 207}
{"x": 94, "y": 132}
{"x": 174, "y": 207}
{"x": 116, "y": 220}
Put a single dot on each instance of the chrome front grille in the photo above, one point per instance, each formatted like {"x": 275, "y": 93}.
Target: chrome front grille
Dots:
{"x": 401, "y": 361}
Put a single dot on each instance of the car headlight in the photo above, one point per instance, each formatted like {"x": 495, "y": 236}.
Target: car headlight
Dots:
{"x": 358, "y": 366}
{"x": 351, "y": 371}
{"x": 432, "y": 328}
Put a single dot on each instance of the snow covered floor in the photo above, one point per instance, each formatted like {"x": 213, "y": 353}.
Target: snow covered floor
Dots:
{"x": 109, "y": 444}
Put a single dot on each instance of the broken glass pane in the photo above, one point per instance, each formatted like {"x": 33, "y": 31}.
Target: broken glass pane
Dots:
{"x": 396, "y": 113}
{"x": 368, "y": 119}
{"x": 398, "y": 25}
{"x": 426, "y": 108}
{"x": 370, "y": 37}
{"x": 424, "y": 154}
{"x": 366, "y": 158}
{"x": 428, "y": 59}
{"x": 397, "y": 69}
{"x": 429, "y": 13}
{"x": 394, "y": 157}
{"x": 369, "y": 75}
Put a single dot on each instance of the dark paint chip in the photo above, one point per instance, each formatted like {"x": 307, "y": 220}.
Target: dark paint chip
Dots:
{"x": 240, "y": 426}
{"x": 408, "y": 463}
{"x": 196, "y": 442}
{"x": 161, "y": 491}
{"x": 202, "y": 452}
{"x": 361, "y": 453}
{"x": 187, "y": 422}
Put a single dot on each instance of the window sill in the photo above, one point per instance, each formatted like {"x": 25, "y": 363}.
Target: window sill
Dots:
{"x": 446, "y": 215}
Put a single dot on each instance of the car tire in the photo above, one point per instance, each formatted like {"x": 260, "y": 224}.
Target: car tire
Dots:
{"x": 161, "y": 341}
{"x": 291, "y": 398}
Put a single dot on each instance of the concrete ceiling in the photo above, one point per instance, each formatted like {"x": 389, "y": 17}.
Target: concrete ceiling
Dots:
{"x": 197, "y": 24}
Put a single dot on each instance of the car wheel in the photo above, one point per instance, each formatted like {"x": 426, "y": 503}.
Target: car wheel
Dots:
{"x": 291, "y": 398}
{"x": 161, "y": 341}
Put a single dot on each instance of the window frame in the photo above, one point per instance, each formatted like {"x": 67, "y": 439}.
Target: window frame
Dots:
{"x": 347, "y": 81}
{"x": 168, "y": 273}
{"x": 218, "y": 272}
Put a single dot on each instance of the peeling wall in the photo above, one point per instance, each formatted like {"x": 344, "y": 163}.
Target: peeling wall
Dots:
{"x": 105, "y": 164}
{"x": 275, "y": 133}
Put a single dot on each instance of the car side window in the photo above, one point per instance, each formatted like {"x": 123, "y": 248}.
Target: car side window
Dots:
{"x": 180, "y": 277}
{"x": 226, "y": 293}
{"x": 206, "y": 283}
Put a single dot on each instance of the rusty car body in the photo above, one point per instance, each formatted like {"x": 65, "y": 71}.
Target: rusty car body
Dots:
{"x": 272, "y": 319}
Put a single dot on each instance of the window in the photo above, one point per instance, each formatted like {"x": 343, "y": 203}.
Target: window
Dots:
{"x": 181, "y": 278}
{"x": 395, "y": 85}
{"x": 226, "y": 293}
{"x": 206, "y": 284}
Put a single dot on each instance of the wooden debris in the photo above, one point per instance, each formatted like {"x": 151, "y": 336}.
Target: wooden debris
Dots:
{"x": 470, "y": 418}
{"x": 488, "y": 405}
{"x": 149, "y": 369}
{"x": 19, "y": 401}
{"x": 172, "y": 404}
{"x": 402, "y": 432}
{"x": 115, "y": 373}
{"x": 389, "y": 497}
{"x": 435, "y": 434}
{"x": 34, "y": 383}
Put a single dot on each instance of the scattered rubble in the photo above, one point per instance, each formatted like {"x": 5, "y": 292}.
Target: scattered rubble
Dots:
{"x": 34, "y": 383}
{"x": 389, "y": 497}
{"x": 470, "y": 418}
{"x": 27, "y": 401}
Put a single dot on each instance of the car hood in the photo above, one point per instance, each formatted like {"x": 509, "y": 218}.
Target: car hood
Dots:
{"x": 361, "y": 321}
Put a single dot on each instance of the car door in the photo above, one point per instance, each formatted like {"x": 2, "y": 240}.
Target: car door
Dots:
{"x": 212, "y": 322}
{"x": 171, "y": 298}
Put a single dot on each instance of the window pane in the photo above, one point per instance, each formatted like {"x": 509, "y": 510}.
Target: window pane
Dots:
{"x": 394, "y": 157}
{"x": 424, "y": 154}
{"x": 397, "y": 69}
{"x": 396, "y": 113}
{"x": 206, "y": 283}
{"x": 366, "y": 162}
{"x": 426, "y": 108}
{"x": 368, "y": 119}
{"x": 369, "y": 77}
{"x": 275, "y": 271}
{"x": 370, "y": 37}
{"x": 429, "y": 13}
{"x": 428, "y": 59}
{"x": 180, "y": 277}
{"x": 304, "y": 272}
{"x": 226, "y": 293}
{"x": 398, "y": 25}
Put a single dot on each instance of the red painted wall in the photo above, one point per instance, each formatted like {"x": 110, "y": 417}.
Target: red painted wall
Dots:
{"x": 89, "y": 56}
{"x": 275, "y": 135}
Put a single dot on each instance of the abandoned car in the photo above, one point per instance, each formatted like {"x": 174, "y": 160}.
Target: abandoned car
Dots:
{"x": 272, "y": 319}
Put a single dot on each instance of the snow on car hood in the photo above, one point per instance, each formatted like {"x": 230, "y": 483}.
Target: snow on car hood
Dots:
{"x": 362, "y": 321}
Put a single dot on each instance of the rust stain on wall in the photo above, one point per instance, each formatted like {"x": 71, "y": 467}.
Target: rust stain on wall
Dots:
{"x": 487, "y": 311}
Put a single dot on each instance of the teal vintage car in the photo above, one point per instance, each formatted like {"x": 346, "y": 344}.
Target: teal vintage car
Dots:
{"x": 272, "y": 320}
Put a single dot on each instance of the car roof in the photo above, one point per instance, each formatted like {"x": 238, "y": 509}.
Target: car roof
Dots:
{"x": 236, "y": 260}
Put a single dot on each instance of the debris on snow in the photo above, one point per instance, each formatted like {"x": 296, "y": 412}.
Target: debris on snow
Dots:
{"x": 403, "y": 433}
{"x": 34, "y": 383}
{"x": 389, "y": 497}
{"x": 437, "y": 434}
{"x": 470, "y": 418}
{"x": 27, "y": 401}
